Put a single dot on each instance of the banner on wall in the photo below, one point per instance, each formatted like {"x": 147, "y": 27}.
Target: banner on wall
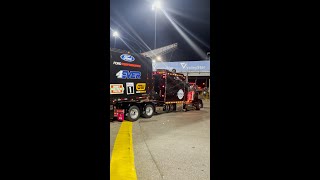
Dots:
{"x": 183, "y": 66}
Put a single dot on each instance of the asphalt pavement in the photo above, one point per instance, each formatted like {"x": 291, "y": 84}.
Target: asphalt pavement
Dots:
{"x": 172, "y": 145}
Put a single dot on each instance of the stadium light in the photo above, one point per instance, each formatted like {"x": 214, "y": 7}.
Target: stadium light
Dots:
{"x": 156, "y": 5}
{"x": 115, "y": 34}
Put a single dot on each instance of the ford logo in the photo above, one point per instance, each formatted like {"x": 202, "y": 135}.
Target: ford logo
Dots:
{"x": 127, "y": 57}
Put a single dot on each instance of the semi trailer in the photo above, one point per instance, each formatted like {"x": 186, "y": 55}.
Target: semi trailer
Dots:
{"x": 137, "y": 91}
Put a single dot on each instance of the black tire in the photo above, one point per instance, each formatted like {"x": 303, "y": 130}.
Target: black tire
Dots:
{"x": 198, "y": 106}
{"x": 201, "y": 104}
{"x": 133, "y": 113}
{"x": 185, "y": 109}
{"x": 148, "y": 111}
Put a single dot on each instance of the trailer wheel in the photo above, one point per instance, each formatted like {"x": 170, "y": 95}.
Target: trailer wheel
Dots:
{"x": 148, "y": 111}
{"x": 198, "y": 106}
{"x": 133, "y": 113}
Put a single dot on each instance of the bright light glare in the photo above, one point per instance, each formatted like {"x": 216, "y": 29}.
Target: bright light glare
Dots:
{"x": 153, "y": 61}
{"x": 159, "y": 58}
{"x": 115, "y": 34}
{"x": 190, "y": 33}
{"x": 185, "y": 37}
{"x": 129, "y": 28}
{"x": 156, "y": 5}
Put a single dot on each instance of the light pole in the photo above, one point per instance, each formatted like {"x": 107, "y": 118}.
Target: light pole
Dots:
{"x": 115, "y": 35}
{"x": 155, "y": 6}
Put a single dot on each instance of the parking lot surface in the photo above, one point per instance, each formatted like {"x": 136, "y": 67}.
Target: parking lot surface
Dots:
{"x": 172, "y": 145}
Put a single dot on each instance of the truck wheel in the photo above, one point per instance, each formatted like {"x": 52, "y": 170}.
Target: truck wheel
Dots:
{"x": 148, "y": 111}
{"x": 133, "y": 113}
{"x": 198, "y": 106}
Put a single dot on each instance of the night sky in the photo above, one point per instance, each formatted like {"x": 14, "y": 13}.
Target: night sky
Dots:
{"x": 194, "y": 15}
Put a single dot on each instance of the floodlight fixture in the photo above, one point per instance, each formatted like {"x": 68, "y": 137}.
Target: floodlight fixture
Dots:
{"x": 156, "y": 5}
{"x": 115, "y": 34}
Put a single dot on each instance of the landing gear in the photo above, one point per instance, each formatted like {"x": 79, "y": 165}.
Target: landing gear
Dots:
{"x": 185, "y": 109}
{"x": 166, "y": 108}
{"x": 201, "y": 104}
{"x": 172, "y": 107}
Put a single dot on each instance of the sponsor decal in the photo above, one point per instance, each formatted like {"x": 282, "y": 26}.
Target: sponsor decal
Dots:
{"x": 130, "y": 87}
{"x": 117, "y": 63}
{"x": 125, "y": 74}
{"x": 131, "y": 65}
{"x": 141, "y": 88}
{"x": 141, "y": 91}
{"x": 180, "y": 94}
{"x": 126, "y": 64}
{"x": 116, "y": 89}
{"x": 127, "y": 57}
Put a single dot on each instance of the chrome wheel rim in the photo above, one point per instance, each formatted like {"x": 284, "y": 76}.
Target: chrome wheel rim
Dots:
{"x": 134, "y": 113}
{"x": 149, "y": 111}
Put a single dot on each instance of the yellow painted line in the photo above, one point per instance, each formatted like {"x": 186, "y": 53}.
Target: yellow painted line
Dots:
{"x": 122, "y": 160}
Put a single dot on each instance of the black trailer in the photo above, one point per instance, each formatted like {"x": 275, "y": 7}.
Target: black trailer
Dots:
{"x": 137, "y": 91}
{"x": 130, "y": 77}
